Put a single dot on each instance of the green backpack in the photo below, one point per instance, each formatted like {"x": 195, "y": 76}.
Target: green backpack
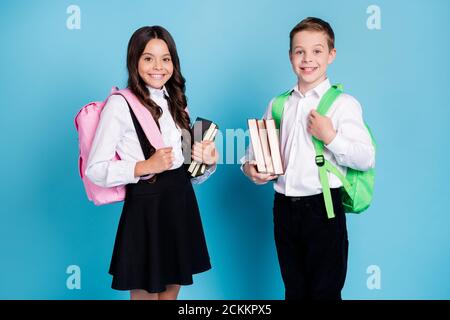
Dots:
{"x": 358, "y": 185}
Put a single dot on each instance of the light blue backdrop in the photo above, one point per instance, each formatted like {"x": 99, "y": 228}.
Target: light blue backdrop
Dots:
{"x": 234, "y": 55}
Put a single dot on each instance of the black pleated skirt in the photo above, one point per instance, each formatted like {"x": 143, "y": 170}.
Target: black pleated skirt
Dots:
{"x": 160, "y": 239}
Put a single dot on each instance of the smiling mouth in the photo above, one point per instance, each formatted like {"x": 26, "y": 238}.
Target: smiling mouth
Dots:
{"x": 308, "y": 69}
{"x": 156, "y": 76}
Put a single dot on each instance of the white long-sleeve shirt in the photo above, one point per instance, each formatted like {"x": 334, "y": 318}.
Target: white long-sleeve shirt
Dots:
{"x": 352, "y": 147}
{"x": 116, "y": 133}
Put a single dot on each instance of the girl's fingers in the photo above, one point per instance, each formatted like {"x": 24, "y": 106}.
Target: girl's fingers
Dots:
{"x": 197, "y": 159}
{"x": 197, "y": 154}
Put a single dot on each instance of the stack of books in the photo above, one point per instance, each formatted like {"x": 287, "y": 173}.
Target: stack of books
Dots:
{"x": 201, "y": 130}
{"x": 266, "y": 146}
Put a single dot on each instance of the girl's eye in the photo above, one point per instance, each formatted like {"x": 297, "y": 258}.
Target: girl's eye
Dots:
{"x": 147, "y": 59}
{"x": 166, "y": 59}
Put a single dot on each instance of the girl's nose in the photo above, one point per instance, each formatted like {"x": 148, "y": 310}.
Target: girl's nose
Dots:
{"x": 157, "y": 65}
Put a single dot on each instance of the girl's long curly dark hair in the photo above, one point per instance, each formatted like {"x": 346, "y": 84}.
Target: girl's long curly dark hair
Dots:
{"x": 175, "y": 86}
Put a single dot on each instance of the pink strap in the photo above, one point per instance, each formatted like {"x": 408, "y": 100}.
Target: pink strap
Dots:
{"x": 144, "y": 117}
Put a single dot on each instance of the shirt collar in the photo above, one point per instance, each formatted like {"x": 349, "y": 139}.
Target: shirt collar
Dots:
{"x": 158, "y": 93}
{"x": 319, "y": 90}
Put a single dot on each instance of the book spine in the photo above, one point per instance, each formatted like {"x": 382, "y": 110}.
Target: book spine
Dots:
{"x": 274, "y": 143}
{"x": 199, "y": 168}
{"x": 265, "y": 146}
{"x": 256, "y": 144}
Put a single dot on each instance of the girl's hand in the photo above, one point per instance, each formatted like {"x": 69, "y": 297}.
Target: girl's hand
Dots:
{"x": 321, "y": 127}
{"x": 205, "y": 152}
{"x": 160, "y": 161}
{"x": 253, "y": 174}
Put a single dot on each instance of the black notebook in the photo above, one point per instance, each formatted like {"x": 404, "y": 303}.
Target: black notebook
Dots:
{"x": 201, "y": 130}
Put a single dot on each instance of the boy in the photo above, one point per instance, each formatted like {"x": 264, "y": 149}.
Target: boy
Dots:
{"x": 312, "y": 249}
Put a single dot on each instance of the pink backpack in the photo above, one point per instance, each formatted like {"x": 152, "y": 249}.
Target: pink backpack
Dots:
{"x": 86, "y": 123}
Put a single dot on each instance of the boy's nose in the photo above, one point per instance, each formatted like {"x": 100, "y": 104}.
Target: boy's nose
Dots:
{"x": 306, "y": 58}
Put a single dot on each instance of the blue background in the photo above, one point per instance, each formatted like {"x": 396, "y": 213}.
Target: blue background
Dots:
{"x": 234, "y": 55}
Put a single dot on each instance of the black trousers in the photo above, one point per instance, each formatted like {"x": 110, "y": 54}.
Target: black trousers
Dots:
{"x": 312, "y": 249}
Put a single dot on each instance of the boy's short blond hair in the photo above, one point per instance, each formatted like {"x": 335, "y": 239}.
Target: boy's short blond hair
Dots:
{"x": 313, "y": 24}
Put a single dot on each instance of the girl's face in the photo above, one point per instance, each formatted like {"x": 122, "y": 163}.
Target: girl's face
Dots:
{"x": 155, "y": 65}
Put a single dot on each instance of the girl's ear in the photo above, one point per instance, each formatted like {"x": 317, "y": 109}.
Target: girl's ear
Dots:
{"x": 331, "y": 55}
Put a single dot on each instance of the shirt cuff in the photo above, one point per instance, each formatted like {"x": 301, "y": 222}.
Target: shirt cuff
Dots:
{"x": 208, "y": 172}
{"x": 148, "y": 176}
{"x": 338, "y": 145}
{"x": 129, "y": 167}
{"x": 211, "y": 169}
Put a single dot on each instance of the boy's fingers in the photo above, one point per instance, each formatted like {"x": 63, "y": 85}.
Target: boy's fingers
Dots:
{"x": 262, "y": 176}
{"x": 268, "y": 177}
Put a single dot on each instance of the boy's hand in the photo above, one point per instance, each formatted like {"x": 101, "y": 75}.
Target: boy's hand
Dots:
{"x": 205, "y": 152}
{"x": 253, "y": 174}
{"x": 321, "y": 127}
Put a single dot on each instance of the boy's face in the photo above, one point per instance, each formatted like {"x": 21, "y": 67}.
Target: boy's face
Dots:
{"x": 310, "y": 57}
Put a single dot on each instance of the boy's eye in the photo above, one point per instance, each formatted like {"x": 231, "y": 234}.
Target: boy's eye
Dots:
{"x": 317, "y": 51}
{"x": 299, "y": 52}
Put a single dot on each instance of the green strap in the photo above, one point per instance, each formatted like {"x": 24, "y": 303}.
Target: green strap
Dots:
{"x": 323, "y": 176}
{"x": 328, "y": 99}
{"x": 331, "y": 168}
{"x": 278, "y": 107}
{"x": 324, "y": 166}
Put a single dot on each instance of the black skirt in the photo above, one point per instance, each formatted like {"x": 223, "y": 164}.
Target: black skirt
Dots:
{"x": 160, "y": 239}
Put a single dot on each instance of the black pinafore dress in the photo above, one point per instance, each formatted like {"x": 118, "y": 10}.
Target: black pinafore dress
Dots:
{"x": 160, "y": 239}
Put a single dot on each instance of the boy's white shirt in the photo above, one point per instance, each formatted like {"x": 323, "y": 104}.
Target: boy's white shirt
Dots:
{"x": 116, "y": 133}
{"x": 352, "y": 147}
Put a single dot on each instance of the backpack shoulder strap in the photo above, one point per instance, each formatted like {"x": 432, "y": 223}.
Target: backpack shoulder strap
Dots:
{"x": 328, "y": 98}
{"x": 324, "y": 105}
{"x": 278, "y": 107}
{"x": 144, "y": 117}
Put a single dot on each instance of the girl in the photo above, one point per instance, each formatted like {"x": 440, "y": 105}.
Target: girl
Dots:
{"x": 160, "y": 242}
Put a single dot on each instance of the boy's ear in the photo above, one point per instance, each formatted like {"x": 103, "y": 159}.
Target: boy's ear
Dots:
{"x": 290, "y": 56}
{"x": 331, "y": 55}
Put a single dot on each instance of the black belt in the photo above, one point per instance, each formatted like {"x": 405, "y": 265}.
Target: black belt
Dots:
{"x": 334, "y": 192}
